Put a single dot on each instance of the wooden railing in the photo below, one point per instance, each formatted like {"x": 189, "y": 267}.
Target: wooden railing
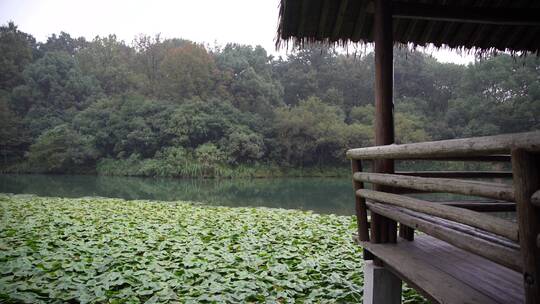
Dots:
{"x": 515, "y": 245}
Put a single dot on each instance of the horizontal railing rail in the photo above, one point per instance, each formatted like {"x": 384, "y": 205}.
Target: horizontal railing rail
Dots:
{"x": 486, "y": 222}
{"x": 467, "y": 147}
{"x": 482, "y": 205}
{"x": 462, "y": 223}
{"x": 458, "y": 174}
{"x": 430, "y": 184}
{"x": 503, "y": 255}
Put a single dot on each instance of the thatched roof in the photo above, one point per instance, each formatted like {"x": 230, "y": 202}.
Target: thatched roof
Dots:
{"x": 484, "y": 25}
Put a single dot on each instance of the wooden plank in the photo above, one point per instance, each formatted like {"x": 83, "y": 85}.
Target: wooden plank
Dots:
{"x": 429, "y": 184}
{"x": 502, "y": 284}
{"x": 475, "y": 219}
{"x": 465, "y": 147}
{"x": 526, "y": 168}
{"x": 384, "y": 105}
{"x": 500, "y": 254}
{"x": 446, "y": 274}
{"x": 458, "y": 174}
{"x": 360, "y": 204}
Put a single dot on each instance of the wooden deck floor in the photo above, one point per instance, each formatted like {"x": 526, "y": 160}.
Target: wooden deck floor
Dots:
{"x": 447, "y": 274}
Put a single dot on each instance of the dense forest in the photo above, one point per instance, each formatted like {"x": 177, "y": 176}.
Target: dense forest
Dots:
{"x": 172, "y": 107}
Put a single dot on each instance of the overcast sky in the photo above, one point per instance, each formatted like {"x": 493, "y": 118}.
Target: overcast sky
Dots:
{"x": 251, "y": 22}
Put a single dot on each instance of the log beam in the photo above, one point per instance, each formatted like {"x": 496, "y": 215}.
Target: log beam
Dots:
{"x": 526, "y": 168}
{"x": 453, "y": 148}
{"x": 474, "y": 219}
{"x": 458, "y": 174}
{"x": 495, "y": 252}
{"x": 429, "y": 184}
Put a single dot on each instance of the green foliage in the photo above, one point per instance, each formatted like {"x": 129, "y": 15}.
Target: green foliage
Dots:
{"x": 16, "y": 52}
{"x": 187, "y": 71}
{"x": 254, "y": 111}
{"x": 247, "y": 76}
{"x": 63, "y": 42}
{"x": 309, "y": 131}
{"x": 243, "y": 146}
{"x": 126, "y": 125}
{"x": 61, "y": 149}
{"x": 13, "y": 137}
{"x": 110, "y": 250}
{"x": 108, "y": 60}
{"x": 55, "y": 88}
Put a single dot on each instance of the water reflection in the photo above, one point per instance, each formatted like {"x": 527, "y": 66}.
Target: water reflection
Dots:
{"x": 322, "y": 195}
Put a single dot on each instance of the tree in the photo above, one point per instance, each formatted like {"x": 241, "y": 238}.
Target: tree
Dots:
{"x": 126, "y": 125}
{"x": 16, "y": 52}
{"x": 54, "y": 90}
{"x": 61, "y": 149}
{"x": 310, "y": 133}
{"x": 243, "y": 145}
{"x": 14, "y": 140}
{"x": 187, "y": 71}
{"x": 108, "y": 60}
{"x": 63, "y": 42}
{"x": 246, "y": 74}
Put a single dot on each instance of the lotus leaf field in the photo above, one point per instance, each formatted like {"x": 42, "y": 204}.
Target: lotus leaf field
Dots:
{"x": 100, "y": 250}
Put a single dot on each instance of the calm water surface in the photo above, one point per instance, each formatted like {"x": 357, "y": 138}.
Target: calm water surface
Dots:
{"x": 322, "y": 195}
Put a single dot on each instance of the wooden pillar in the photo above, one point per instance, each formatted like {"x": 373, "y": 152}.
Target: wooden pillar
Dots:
{"x": 526, "y": 175}
{"x": 361, "y": 208}
{"x": 383, "y": 229}
{"x": 380, "y": 284}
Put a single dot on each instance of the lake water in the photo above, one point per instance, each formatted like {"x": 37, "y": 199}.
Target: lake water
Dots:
{"x": 322, "y": 195}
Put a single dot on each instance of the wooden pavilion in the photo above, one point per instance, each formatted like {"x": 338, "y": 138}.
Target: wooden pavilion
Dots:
{"x": 463, "y": 254}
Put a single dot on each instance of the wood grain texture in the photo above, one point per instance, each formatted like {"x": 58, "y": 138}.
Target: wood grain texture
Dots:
{"x": 465, "y": 147}
{"x": 500, "y": 254}
{"x": 360, "y": 204}
{"x": 482, "y": 206}
{"x": 429, "y": 184}
{"x": 475, "y": 219}
{"x": 458, "y": 174}
{"x": 385, "y": 229}
{"x": 446, "y": 274}
{"x": 526, "y": 168}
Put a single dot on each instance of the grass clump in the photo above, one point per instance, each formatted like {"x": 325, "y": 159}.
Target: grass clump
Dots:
{"x": 111, "y": 250}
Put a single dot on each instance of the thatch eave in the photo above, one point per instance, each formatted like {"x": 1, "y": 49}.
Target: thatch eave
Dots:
{"x": 501, "y": 26}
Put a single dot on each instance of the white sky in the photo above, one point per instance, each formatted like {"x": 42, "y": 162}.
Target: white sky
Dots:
{"x": 251, "y": 22}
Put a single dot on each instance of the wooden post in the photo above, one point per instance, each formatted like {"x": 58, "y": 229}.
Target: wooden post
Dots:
{"x": 382, "y": 229}
{"x": 360, "y": 206}
{"x": 526, "y": 170}
{"x": 361, "y": 209}
{"x": 385, "y": 229}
